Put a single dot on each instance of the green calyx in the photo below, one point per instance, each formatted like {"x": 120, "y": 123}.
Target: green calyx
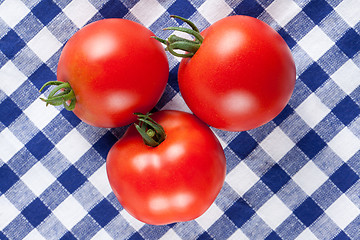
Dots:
{"x": 174, "y": 42}
{"x": 152, "y": 133}
{"x": 62, "y": 94}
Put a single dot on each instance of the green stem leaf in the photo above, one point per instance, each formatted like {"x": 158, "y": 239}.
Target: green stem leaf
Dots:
{"x": 62, "y": 94}
{"x": 175, "y": 42}
{"x": 191, "y": 24}
{"x": 152, "y": 133}
{"x": 197, "y": 35}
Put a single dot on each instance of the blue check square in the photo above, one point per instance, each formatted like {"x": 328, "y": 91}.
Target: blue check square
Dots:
{"x": 308, "y": 212}
{"x": 137, "y": 236}
{"x": 344, "y": 177}
{"x": 36, "y": 212}
{"x": 311, "y": 144}
{"x": 9, "y": 111}
{"x": 181, "y": 8}
{"x": 317, "y": 10}
{"x": 273, "y": 236}
{"x": 71, "y": 179}
{"x": 205, "y": 236}
{"x": 39, "y": 145}
{"x": 71, "y": 117}
{"x": 46, "y": 10}
{"x": 42, "y": 75}
{"x": 11, "y": 44}
{"x": 243, "y": 145}
{"x": 275, "y": 178}
{"x": 113, "y": 9}
{"x": 349, "y": 43}
{"x": 249, "y": 8}
{"x": 240, "y": 212}
{"x": 103, "y": 212}
{"x": 7, "y": 178}
{"x": 103, "y": 145}
{"x": 342, "y": 236}
{"x": 346, "y": 110}
{"x": 314, "y": 76}
{"x": 68, "y": 236}
{"x": 287, "y": 37}
{"x": 284, "y": 114}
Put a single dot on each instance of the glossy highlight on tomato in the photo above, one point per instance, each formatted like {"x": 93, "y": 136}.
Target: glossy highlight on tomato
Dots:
{"x": 114, "y": 69}
{"x": 177, "y": 180}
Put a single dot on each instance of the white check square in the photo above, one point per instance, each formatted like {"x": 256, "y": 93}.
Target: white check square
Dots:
{"x": 277, "y": 144}
{"x": 214, "y": 10}
{"x": 9, "y": 145}
{"x": 11, "y": 78}
{"x": 349, "y": 10}
{"x": 278, "y": 12}
{"x": 209, "y": 217}
{"x": 312, "y": 105}
{"x": 100, "y": 181}
{"x": 69, "y": 212}
{"x": 316, "y": 43}
{"x": 13, "y": 11}
{"x": 34, "y": 234}
{"x": 170, "y": 234}
{"x": 306, "y": 235}
{"x": 241, "y": 178}
{"x": 38, "y": 178}
{"x": 80, "y": 12}
{"x": 73, "y": 146}
{"x": 8, "y": 212}
{"x": 44, "y": 44}
{"x": 310, "y": 178}
{"x": 102, "y": 235}
{"x": 345, "y": 144}
{"x": 40, "y": 114}
{"x": 238, "y": 235}
{"x": 347, "y": 77}
{"x": 343, "y": 211}
{"x": 274, "y": 212}
{"x": 147, "y": 11}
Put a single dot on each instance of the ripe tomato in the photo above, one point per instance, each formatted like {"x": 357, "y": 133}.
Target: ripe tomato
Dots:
{"x": 114, "y": 68}
{"x": 241, "y": 76}
{"x": 175, "y": 181}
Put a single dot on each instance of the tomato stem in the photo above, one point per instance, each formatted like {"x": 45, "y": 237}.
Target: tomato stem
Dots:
{"x": 66, "y": 96}
{"x": 152, "y": 133}
{"x": 174, "y": 42}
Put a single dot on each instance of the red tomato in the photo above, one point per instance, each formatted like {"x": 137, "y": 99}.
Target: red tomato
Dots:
{"x": 241, "y": 77}
{"x": 115, "y": 69}
{"x": 175, "y": 181}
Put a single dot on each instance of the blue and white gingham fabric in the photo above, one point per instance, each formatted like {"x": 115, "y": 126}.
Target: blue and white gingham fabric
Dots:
{"x": 296, "y": 177}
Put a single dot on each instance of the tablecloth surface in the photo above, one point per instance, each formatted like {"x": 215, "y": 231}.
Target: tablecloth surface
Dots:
{"x": 296, "y": 177}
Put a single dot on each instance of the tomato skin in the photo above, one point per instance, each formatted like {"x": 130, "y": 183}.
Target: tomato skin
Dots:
{"x": 242, "y": 76}
{"x": 175, "y": 181}
{"x": 115, "y": 69}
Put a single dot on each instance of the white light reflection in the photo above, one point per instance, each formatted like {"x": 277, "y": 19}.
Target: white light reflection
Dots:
{"x": 120, "y": 100}
{"x": 178, "y": 200}
{"x": 229, "y": 41}
{"x": 175, "y": 151}
{"x": 143, "y": 161}
{"x": 239, "y": 102}
{"x": 100, "y": 46}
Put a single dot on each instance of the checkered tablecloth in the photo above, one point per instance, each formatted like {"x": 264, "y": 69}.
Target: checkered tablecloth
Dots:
{"x": 296, "y": 177}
